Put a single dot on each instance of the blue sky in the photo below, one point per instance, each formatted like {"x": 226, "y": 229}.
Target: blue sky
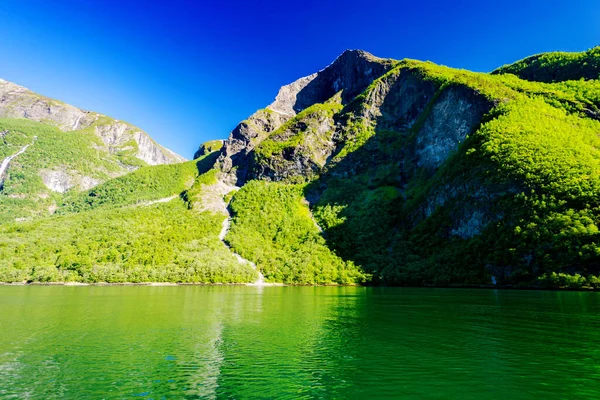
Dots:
{"x": 188, "y": 71}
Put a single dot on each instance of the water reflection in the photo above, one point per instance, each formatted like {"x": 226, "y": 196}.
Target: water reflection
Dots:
{"x": 289, "y": 342}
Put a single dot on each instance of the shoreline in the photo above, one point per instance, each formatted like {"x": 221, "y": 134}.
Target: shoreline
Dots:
{"x": 139, "y": 284}
{"x": 267, "y": 284}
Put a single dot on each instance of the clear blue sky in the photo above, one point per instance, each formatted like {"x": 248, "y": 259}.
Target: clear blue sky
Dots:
{"x": 188, "y": 71}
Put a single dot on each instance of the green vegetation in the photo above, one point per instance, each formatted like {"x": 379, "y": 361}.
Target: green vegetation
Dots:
{"x": 52, "y": 149}
{"x": 76, "y": 154}
{"x": 113, "y": 233}
{"x": 557, "y": 66}
{"x": 273, "y": 227}
{"x": 516, "y": 198}
{"x": 580, "y": 97}
{"x": 208, "y": 147}
{"x": 158, "y": 243}
{"x": 142, "y": 185}
{"x": 575, "y": 281}
{"x": 530, "y": 172}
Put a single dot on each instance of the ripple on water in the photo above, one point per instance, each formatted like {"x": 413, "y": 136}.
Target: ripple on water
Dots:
{"x": 209, "y": 342}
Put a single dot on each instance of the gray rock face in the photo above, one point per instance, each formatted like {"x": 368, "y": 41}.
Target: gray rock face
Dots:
{"x": 397, "y": 100}
{"x": 19, "y": 102}
{"x": 349, "y": 74}
{"x": 152, "y": 153}
{"x": 61, "y": 180}
{"x": 314, "y": 134}
{"x": 288, "y": 96}
{"x": 455, "y": 114}
{"x": 424, "y": 119}
{"x": 234, "y": 158}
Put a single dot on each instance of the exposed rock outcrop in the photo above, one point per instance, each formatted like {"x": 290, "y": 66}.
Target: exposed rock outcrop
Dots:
{"x": 456, "y": 113}
{"x": 61, "y": 180}
{"x": 349, "y": 74}
{"x": 19, "y": 102}
{"x": 234, "y": 161}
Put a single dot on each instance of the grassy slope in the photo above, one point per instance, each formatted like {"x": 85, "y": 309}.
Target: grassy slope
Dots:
{"x": 24, "y": 194}
{"x": 143, "y": 185}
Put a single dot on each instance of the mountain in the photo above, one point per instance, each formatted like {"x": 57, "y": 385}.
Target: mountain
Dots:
{"x": 371, "y": 170}
{"x": 421, "y": 174}
{"x": 64, "y": 148}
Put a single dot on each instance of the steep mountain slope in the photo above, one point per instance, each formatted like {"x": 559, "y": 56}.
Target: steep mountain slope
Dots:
{"x": 84, "y": 199}
{"x": 350, "y": 73}
{"x": 422, "y": 174}
{"x": 117, "y": 137}
{"x": 68, "y": 150}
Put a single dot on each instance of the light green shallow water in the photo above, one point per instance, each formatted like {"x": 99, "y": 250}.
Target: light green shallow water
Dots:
{"x": 297, "y": 342}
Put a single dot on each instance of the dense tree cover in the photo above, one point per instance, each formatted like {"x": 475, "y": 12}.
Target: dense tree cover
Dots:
{"x": 111, "y": 233}
{"x": 142, "y": 185}
{"x": 530, "y": 172}
{"x": 556, "y": 66}
{"x": 157, "y": 243}
{"x": 272, "y": 226}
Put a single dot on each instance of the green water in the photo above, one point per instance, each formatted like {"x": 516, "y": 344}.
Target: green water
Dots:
{"x": 297, "y": 342}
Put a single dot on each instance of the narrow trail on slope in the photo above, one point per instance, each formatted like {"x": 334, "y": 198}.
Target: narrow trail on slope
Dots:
{"x": 7, "y": 160}
{"x": 224, "y": 230}
{"x": 163, "y": 200}
{"x": 211, "y": 200}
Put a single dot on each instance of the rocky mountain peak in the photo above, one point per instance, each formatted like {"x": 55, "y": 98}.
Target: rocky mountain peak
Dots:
{"x": 351, "y": 72}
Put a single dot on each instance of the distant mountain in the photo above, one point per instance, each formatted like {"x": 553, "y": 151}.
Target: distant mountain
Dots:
{"x": 67, "y": 149}
{"x": 556, "y": 66}
{"x": 117, "y": 137}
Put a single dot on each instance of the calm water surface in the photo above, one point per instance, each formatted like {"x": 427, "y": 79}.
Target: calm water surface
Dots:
{"x": 297, "y": 342}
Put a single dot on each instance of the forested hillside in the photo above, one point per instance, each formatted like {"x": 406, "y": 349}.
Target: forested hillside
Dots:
{"x": 372, "y": 170}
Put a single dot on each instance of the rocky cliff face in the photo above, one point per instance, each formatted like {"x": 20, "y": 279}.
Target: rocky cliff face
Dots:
{"x": 19, "y": 102}
{"x": 349, "y": 74}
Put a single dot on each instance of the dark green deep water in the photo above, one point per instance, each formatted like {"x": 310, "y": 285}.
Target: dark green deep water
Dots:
{"x": 297, "y": 342}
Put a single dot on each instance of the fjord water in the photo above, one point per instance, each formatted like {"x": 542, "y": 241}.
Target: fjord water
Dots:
{"x": 297, "y": 342}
